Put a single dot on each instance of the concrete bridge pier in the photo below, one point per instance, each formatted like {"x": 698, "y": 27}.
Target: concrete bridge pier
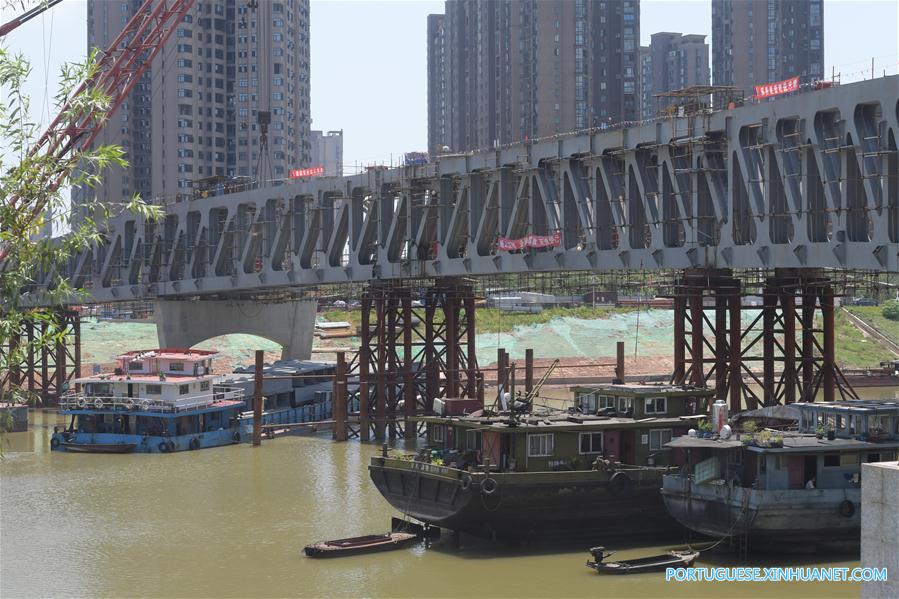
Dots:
{"x": 290, "y": 323}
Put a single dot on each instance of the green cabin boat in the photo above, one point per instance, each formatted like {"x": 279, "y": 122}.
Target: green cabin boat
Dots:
{"x": 593, "y": 470}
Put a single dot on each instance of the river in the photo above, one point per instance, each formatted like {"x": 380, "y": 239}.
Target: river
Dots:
{"x": 231, "y": 522}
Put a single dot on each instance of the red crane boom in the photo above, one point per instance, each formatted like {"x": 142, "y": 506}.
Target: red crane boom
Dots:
{"x": 118, "y": 70}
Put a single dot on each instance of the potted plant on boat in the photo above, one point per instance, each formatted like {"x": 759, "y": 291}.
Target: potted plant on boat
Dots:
{"x": 875, "y": 433}
{"x": 705, "y": 429}
{"x": 777, "y": 441}
{"x": 820, "y": 431}
{"x": 763, "y": 439}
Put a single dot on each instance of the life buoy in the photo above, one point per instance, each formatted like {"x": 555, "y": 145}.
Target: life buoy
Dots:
{"x": 466, "y": 482}
{"x": 236, "y": 437}
{"x": 165, "y": 447}
{"x": 54, "y": 443}
{"x": 82, "y": 403}
{"x": 847, "y": 508}
{"x": 489, "y": 486}
{"x": 621, "y": 484}
{"x": 145, "y": 405}
{"x": 98, "y": 403}
{"x": 194, "y": 443}
{"x": 129, "y": 403}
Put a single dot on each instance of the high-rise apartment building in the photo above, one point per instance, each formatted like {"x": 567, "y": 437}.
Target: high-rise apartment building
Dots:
{"x": 672, "y": 61}
{"x": 327, "y": 152}
{"x": 763, "y": 41}
{"x": 504, "y": 71}
{"x": 198, "y": 112}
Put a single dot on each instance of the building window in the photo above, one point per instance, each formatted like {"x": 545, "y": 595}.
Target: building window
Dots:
{"x": 606, "y": 402}
{"x": 656, "y": 405}
{"x": 586, "y": 402}
{"x": 540, "y": 445}
{"x": 135, "y": 365}
{"x": 176, "y": 366}
{"x": 590, "y": 443}
{"x": 473, "y": 440}
{"x": 183, "y": 389}
{"x": 624, "y": 404}
{"x": 204, "y": 386}
{"x": 154, "y": 389}
{"x": 832, "y": 460}
{"x": 658, "y": 437}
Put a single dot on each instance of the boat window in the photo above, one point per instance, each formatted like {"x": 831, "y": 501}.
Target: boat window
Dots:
{"x": 473, "y": 440}
{"x": 154, "y": 389}
{"x": 540, "y": 445}
{"x": 840, "y": 422}
{"x": 851, "y": 424}
{"x": 606, "y": 401}
{"x": 591, "y": 443}
{"x": 135, "y": 366}
{"x": 848, "y": 459}
{"x": 624, "y": 404}
{"x": 183, "y": 389}
{"x": 586, "y": 401}
{"x": 879, "y": 424}
{"x": 873, "y": 457}
{"x": 204, "y": 386}
{"x": 656, "y": 405}
{"x": 658, "y": 437}
{"x": 176, "y": 366}
{"x": 832, "y": 460}
{"x": 438, "y": 433}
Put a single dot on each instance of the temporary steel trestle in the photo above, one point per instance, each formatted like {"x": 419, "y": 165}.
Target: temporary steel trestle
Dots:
{"x": 42, "y": 356}
{"x": 415, "y": 346}
{"x": 719, "y": 335}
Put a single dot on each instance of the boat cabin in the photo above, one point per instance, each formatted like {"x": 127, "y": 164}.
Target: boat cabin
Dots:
{"x": 643, "y": 400}
{"x": 785, "y": 460}
{"x": 159, "y": 392}
{"x": 572, "y": 440}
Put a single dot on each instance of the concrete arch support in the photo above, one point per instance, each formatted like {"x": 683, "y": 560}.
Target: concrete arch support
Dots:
{"x": 185, "y": 323}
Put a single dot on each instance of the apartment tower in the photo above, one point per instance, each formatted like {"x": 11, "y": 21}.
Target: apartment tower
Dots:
{"x": 672, "y": 61}
{"x": 509, "y": 70}
{"x": 195, "y": 113}
{"x": 763, "y": 41}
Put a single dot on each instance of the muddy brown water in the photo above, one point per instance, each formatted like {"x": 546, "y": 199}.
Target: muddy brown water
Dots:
{"x": 231, "y": 522}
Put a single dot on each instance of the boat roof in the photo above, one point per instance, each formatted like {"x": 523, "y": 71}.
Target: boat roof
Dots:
{"x": 639, "y": 389}
{"x": 556, "y": 422}
{"x": 865, "y": 406}
{"x": 170, "y": 379}
{"x": 792, "y": 443}
{"x": 176, "y": 353}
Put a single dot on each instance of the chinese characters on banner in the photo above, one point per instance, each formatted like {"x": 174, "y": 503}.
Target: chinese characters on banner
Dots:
{"x": 531, "y": 241}
{"x": 297, "y": 173}
{"x": 774, "y": 89}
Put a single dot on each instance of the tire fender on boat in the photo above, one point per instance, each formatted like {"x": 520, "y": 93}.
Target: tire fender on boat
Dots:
{"x": 847, "y": 508}
{"x": 98, "y": 403}
{"x": 54, "y": 443}
{"x": 489, "y": 486}
{"x": 145, "y": 405}
{"x": 466, "y": 482}
{"x": 129, "y": 403}
{"x": 82, "y": 403}
{"x": 165, "y": 446}
{"x": 620, "y": 484}
{"x": 194, "y": 443}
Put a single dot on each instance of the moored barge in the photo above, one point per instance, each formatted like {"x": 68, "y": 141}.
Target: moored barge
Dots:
{"x": 790, "y": 490}
{"x": 594, "y": 472}
{"x": 156, "y": 401}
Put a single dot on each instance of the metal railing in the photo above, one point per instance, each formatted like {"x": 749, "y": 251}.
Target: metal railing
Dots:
{"x": 82, "y": 401}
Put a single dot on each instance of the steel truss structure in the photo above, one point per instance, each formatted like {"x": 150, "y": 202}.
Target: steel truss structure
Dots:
{"x": 805, "y": 181}
{"x": 44, "y": 370}
{"x": 416, "y": 345}
{"x": 791, "y": 335}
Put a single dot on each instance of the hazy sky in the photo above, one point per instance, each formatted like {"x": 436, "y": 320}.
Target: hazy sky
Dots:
{"x": 369, "y": 58}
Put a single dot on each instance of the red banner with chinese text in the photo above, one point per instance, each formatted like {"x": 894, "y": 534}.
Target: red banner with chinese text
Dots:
{"x": 531, "y": 241}
{"x": 775, "y": 89}
{"x": 298, "y": 173}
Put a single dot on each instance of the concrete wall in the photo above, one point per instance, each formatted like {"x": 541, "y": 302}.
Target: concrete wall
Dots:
{"x": 185, "y": 323}
{"x": 880, "y": 527}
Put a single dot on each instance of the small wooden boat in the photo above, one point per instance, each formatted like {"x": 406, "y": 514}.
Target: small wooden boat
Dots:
{"x": 359, "y": 545}
{"x": 99, "y": 447}
{"x": 655, "y": 563}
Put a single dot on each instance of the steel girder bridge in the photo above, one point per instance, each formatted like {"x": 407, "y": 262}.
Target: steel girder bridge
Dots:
{"x": 807, "y": 181}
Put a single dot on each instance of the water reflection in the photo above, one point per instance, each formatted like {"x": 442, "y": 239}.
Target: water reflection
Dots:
{"x": 231, "y": 522}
